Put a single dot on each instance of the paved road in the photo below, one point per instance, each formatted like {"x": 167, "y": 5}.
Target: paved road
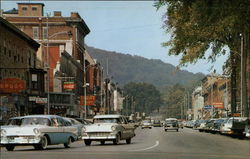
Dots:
{"x": 148, "y": 144}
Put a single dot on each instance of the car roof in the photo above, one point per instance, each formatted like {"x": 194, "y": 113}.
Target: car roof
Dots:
{"x": 37, "y": 116}
{"x": 108, "y": 116}
{"x": 171, "y": 119}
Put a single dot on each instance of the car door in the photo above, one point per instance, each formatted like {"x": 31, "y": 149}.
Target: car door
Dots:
{"x": 55, "y": 131}
{"x": 128, "y": 128}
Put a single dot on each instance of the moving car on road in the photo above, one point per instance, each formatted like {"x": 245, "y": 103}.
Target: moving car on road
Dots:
{"x": 157, "y": 123}
{"x": 75, "y": 123}
{"x": 108, "y": 128}
{"x": 37, "y": 130}
{"x": 171, "y": 124}
{"x": 146, "y": 124}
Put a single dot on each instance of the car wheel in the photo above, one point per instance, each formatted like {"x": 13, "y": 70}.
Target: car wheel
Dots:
{"x": 9, "y": 147}
{"x": 102, "y": 142}
{"x": 177, "y": 130}
{"x": 128, "y": 141}
{"x": 87, "y": 142}
{"x": 43, "y": 143}
{"x": 166, "y": 130}
{"x": 68, "y": 144}
{"x": 117, "y": 140}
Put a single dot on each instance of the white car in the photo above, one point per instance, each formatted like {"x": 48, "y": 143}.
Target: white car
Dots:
{"x": 146, "y": 124}
{"x": 37, "y": 130}
{"x": 226, "y": 128}
{"x": 171, "y": 124}
{"x": 108, "y": 128}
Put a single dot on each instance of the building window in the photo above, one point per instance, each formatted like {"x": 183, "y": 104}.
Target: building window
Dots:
{"x": 34, "y": 8}
{"x": 35, "y": 33}
{"x": 24, "y": 8}
{"x": 45, "y": 32}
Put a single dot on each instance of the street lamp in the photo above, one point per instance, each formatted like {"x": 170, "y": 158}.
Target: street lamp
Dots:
{"x": 48, "y": 63}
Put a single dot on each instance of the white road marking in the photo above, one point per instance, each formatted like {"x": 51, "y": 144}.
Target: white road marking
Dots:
{"x": 148, "y": 148}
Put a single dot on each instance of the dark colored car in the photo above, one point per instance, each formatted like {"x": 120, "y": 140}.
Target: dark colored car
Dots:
{"x": 157, "y": 123}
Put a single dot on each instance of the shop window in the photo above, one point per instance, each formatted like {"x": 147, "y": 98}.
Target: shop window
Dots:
{"x": 34, "y": 9}
{"x": 24, "y": 8}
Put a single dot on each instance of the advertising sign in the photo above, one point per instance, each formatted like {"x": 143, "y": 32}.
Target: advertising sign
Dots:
{"x": 68, "y": 86}
{"x": 90, "y": 100}
{"x": 12, "y": 85}
{"x": 208, "y": 107}
{"x": 218, "y": 105}
{"x": 41, "y": 100}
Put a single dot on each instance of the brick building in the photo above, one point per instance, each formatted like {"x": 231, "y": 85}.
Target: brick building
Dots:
{"x": 19, "y": 77}
{"x": 56, "y": 34}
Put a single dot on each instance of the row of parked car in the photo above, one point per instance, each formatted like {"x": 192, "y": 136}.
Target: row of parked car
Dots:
{"x": 234, "y": 126}
{"x": 40, "y": 131}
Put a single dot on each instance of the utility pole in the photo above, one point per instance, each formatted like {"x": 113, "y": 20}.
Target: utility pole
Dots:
{"x": 48, "y": 63}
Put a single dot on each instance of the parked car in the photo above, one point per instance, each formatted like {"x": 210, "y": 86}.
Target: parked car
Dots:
{"x": 37, "y": 130}
{"x": 171, "y": 124}
{"x": 234, "y": 126}
{"x": 180, "y": 123}
{"x": 209, "y": 125}
{"x": 217, "y": 125}
{"x": 75, "y": 123}
{"x": 247, "y": 129}
{"x": 146, "y": 124}
{"x": 108, "y": 128}
{"x": 157, "y": 123}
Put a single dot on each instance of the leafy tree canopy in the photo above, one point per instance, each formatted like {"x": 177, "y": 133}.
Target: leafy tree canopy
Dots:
{"x": 145, "y": 96}
{"x": 197, "y": 25}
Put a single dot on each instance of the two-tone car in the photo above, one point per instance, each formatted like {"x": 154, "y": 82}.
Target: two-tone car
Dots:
{"x": 37, "y": 130}
{"x": 108, "y": 128}
{"x": 171, "y": 124}
{"x": 146, "y": 124}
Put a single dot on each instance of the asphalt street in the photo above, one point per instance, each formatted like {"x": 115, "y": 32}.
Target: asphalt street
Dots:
{"x": 148, "y": 144}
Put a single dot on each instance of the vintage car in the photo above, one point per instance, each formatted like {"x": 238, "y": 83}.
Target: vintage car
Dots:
{"x": 157, "y": 123}
{"x": 37, "y": 130}
{"x": 108, "y": 128}
{"x": 171, "y": 124}
{"x": 234, "y": 126}
{"x": 77, "y": 124}
{"x": 146, "y": 124}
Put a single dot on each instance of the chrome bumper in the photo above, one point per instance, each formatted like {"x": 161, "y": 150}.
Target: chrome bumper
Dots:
{"x": 20, "y": 140}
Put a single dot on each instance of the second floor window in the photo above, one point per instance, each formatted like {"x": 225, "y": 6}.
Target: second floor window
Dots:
{"x": 35, "y": 33}
{"x": 45, "y": 33}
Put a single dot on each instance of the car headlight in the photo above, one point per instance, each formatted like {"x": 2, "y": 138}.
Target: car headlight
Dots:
{"x": 36, "y": 131}
{"x": 113, "y": 128}
{"x": 3, "y": 132}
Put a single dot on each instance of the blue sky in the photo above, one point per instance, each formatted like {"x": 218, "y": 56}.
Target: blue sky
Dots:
{"x": 130, "y": 27}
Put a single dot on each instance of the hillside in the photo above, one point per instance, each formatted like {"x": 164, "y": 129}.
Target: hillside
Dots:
{"x": 126, "y": 68}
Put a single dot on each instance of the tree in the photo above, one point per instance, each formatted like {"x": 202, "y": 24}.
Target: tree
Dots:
{"x": 145, "y": 96}
{"x": 198, "y": 26}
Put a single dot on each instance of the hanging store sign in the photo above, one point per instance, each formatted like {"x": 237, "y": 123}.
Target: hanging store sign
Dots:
{"x": 68, "y": 86}
{"x": 41, "y": 100}
{"x": 12, "y": 85}
{"x": 90, "y": 100}
{"x": 218, "y": 105}
{"x": 208, "y": 107}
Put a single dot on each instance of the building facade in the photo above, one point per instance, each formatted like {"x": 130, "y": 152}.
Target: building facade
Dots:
{"x": 19, "y": 77}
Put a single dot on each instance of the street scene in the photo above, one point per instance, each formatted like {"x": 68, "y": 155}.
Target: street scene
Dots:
{"x": 125, "y": 79}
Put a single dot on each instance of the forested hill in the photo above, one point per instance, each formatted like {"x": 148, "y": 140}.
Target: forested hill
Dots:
{"x": 126, "y": 68}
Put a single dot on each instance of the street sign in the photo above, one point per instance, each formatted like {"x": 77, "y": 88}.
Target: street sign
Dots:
{"x": 208, "y": 107}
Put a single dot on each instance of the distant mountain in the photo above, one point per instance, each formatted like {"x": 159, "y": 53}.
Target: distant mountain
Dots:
{"x": 126, "y": 68}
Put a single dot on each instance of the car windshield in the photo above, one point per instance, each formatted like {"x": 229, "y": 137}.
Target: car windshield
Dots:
{"x": 171, "y": 121}
{"x": 146, "y": 121}
{"x": 106, "y": 120}
{"x": 35, "y": 121}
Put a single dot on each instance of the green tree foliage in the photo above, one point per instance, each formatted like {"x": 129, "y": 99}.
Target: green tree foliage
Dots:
{"x": 173, "y": 102}
{"x": 145, "y": 96}
{"x": 199, "y": 25}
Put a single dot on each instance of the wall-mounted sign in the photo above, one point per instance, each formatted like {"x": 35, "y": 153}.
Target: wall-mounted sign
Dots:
{"x": 68, "y": 86}
{"x": 90, "y": 100}
{"x": 218, "y": 105}
{"x": 41, "y": 100}
{"x": 12, "y": 85}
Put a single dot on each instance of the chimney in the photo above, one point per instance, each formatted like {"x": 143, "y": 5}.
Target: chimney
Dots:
{"x": 75, "y": 15}
{"x": 57, "y": 13}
